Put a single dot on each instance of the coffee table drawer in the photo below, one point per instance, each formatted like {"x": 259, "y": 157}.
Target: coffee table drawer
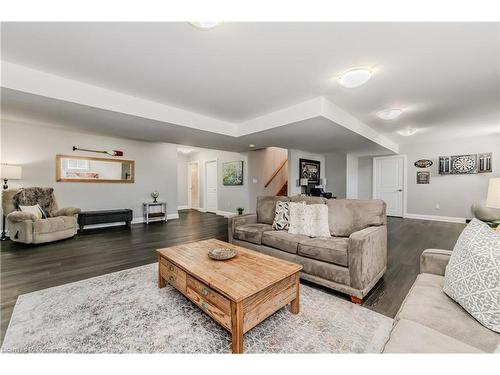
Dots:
{"x": 210, "y": 295}
{"x": 173, "y": 275}
{"x": 209, "y": 308}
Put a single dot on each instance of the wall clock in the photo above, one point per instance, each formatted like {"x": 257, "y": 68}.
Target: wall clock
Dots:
{"x": 463, "y": 164}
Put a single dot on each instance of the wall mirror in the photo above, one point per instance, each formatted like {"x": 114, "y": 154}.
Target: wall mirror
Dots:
{"x": 90, "y": 169}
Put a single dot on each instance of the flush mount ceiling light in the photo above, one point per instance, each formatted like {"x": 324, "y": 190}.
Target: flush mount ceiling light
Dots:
{"x": 185, "y": 151}
{"x": 354, "y": 77}
{"x": 389, "y": 114}
{"x": 251, "y": 145}
{"x": 407, "y": 132}
{"x": 204, "y": 25}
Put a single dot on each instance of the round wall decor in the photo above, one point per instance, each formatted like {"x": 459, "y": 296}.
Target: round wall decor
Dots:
{"x": 423, "y": 163}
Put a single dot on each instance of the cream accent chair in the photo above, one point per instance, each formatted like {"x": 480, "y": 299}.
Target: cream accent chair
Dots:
{"x": 27, "y": 228}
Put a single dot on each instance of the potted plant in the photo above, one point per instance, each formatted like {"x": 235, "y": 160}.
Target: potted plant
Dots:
{"x": 240, "y": 210}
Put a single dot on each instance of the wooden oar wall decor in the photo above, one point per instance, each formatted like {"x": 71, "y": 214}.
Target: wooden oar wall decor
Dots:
{"x": 108, "y": 152}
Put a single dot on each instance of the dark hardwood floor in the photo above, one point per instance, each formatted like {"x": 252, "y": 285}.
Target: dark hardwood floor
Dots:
{"x": 96, "y": 252}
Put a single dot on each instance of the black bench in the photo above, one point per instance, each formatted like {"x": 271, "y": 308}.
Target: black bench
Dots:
{"x": 105, "y": 216}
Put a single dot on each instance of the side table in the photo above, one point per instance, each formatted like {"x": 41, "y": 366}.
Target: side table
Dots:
{"x": 154, "y": 211}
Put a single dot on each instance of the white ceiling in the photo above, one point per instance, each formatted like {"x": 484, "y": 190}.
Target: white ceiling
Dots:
{"x": 313, "y": 135}
{"x": 445, "y": 75}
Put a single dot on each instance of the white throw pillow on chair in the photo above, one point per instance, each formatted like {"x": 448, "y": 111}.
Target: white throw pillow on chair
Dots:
{"x": 35, "y": 210}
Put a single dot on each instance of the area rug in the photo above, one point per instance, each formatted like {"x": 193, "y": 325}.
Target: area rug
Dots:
{"x": 125, "y": 312}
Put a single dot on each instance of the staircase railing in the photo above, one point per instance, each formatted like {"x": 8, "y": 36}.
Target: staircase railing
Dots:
{"x": 276, "y": 173}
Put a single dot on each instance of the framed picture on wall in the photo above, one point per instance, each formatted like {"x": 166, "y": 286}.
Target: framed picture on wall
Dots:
{"x": 232, "y": 173}
{"x": 423, "y": 177}
{"x": 310, "y": 169}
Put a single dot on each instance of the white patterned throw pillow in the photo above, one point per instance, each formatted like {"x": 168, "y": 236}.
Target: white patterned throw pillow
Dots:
{"x": 472, "y": 277}
{"x": 297, "y": 218}
{"x": 281, "y": 216}
{"x": 317, "y": 220}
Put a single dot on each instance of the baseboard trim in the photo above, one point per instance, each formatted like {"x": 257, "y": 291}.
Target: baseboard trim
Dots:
{"x": 448, "y": 219}
{"x": 182, "y": 207}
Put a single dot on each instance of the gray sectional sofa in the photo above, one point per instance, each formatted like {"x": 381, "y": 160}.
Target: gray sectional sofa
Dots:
{"x": 431, "y": 322}
{"x": 351, "y": 261}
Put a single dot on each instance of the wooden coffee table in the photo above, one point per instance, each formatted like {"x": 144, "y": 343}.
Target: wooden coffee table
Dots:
{"x": 238, "y": 293}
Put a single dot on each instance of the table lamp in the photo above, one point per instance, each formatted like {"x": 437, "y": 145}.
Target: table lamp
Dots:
{"x": 8, "y": 172}
{"x": 304, "y": 182}
{"x": 493, "y": 198}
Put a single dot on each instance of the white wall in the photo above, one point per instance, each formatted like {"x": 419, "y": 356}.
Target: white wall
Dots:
{"x": 228, "y": 197}
{"x": 365, "y": 179}
{"x": 335, "y": 167}
{"x": 351, "y": 189}
{"x": 453, "y": 193}
{"x": 182, "y": 180}
{"x": 293, "y": 168}
{"x": 35, "y": 148}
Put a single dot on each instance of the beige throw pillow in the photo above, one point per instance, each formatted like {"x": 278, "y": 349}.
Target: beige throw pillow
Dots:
{"x": 310, "y": 220}
{"x": 297, "y": 218}
{"x": 35, "y": 210}
{"x": 317, "y": 220}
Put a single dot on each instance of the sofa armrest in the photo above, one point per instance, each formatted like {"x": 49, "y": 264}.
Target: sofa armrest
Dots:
{"x": 367, "y": 255}
{"x": 236, "y": 221}
{"x": 434, "y": 261}
{"x": 20, "y": 216}
{"x": 67, "y": 211}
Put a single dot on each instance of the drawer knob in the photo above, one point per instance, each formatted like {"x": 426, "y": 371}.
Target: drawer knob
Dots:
{"x": 204, "y": 305}
{"x": 204, "y": 291}
{"x": 171, "y": 278}
{"x": 171, "y": 268}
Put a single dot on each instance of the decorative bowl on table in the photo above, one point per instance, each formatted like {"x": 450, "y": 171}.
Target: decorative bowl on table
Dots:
{"x": 222, "y": 253}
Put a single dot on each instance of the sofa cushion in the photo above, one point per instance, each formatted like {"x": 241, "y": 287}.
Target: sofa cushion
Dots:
{"x": 472, "y": 276}
{"x": 266, "y": 208}
{"x": 427, "y": 304}
{"x": 54, "y": 224}
{"x": 411, "y": 337}
{"x": 330, "y": 249}
{"x": 346, "y": 216}
{"x": 251, "y": 232}
{"x": 307, "y": 199}
{"x": 283, "y": 240}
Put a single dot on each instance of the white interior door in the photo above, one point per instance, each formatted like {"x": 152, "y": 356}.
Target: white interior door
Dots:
{"x": 193, "y": 185}
{"x": 211, "y": 186}
{"x": 389, "y": 182}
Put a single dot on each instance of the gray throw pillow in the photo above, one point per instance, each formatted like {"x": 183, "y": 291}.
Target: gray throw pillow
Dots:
{"x": 472, "y": 277}
{"x": 281, "y": 216}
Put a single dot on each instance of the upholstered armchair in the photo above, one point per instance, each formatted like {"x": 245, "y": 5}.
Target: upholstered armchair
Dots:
{"x": 25, "y": 227}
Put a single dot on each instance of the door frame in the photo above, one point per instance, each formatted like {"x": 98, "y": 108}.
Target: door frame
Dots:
{"x": 190, "y": 183}
{"x": 405, "y": 177}
{"x": 205, "y": 184}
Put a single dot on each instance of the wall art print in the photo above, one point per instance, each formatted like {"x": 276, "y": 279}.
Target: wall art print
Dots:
{"x": 423, "y": 177}
{"x": 232, "y": 173}
{"x": 310, "y": 169}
